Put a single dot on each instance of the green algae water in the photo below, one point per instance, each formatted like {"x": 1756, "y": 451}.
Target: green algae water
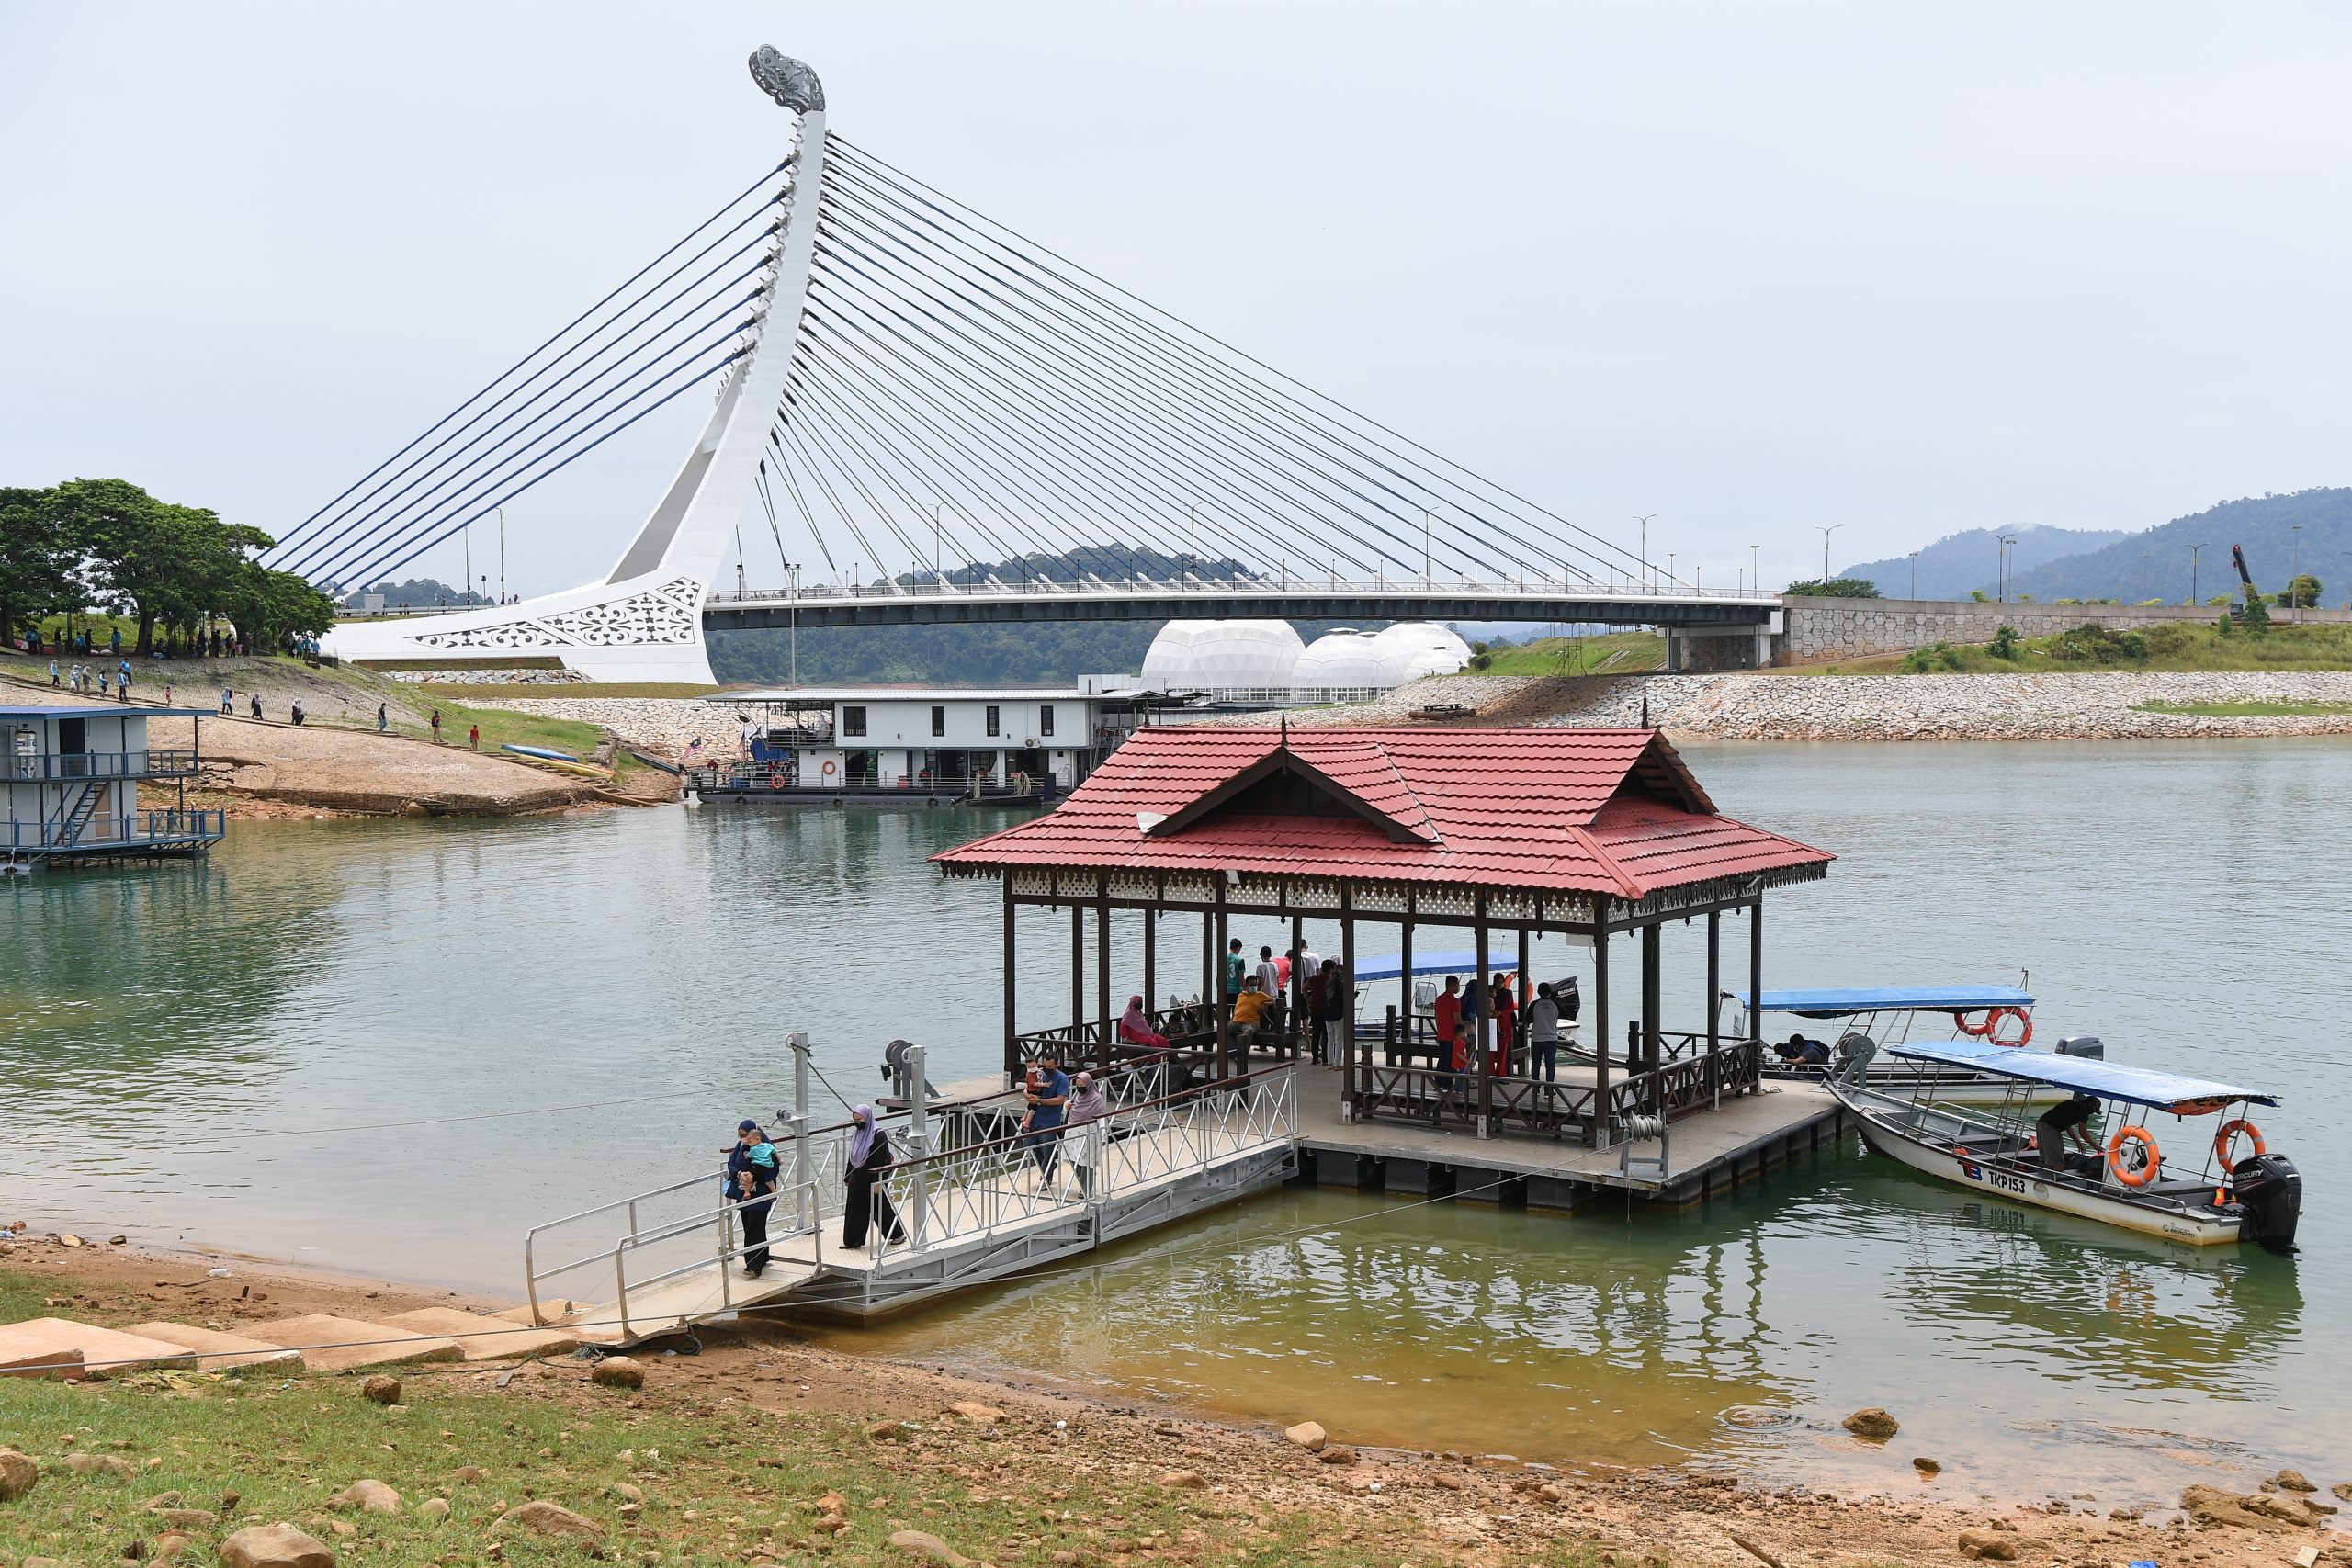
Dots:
{"x": 396, "y": 1045}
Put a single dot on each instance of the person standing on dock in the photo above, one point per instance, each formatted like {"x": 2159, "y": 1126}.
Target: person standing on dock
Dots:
{"x": 1506, "y": 1010}
{"x": 867, "y": 1205}
{"x": 1446, "y": 1014}
{"x": 1270, "y": 975}
{"x": 1543, "y": 1035}
{"x": 1088, "y": 1110}
{"x": 1237, "y": 969}
{"x": 750, "y": 1168}
{"x": 1049, "y": 1101}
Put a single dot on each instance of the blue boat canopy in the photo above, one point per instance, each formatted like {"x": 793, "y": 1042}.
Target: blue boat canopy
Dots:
{"x": 1837, "y": 1001}
{"x": 2088, "y": 1074}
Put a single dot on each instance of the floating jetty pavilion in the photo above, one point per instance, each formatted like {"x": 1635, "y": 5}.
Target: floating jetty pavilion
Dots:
{"x": 1603, "y": 838}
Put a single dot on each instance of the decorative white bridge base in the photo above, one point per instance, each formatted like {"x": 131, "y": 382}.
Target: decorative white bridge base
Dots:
{"x": 646, "y": 628}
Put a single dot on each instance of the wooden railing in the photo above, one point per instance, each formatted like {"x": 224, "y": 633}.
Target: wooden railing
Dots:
{"x": 1690, "y": 1077}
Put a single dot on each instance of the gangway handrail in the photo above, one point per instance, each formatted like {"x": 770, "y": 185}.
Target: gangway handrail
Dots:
{"x": 815, "y": 1231}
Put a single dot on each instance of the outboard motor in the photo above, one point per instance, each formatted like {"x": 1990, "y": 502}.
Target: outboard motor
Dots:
{"x": 1571, "y": 1001}
{"x": 2085, "y": 1045}
{"x": 2269, "y": 1191}
{"x": 895, "y": 1068}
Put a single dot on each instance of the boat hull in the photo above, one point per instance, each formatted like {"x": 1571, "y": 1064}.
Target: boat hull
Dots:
{"x": 1999, "y": 1181}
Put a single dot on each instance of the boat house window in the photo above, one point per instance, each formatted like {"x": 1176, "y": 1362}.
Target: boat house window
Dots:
{"x": 938, "y": 719}
{"x": 1045, "y": 719}
{"x": 853, "y": 721}
{"x": 992, "y": 720}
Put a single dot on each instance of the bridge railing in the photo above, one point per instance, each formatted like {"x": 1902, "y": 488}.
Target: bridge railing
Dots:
{"x": 1281, "y": 582}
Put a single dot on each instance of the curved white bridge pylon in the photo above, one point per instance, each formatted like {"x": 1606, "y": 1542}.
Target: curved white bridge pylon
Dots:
{"x": 644, "y": 623}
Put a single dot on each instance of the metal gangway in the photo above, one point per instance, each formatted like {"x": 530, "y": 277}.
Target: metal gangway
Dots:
{"x": 970, "y": 1199}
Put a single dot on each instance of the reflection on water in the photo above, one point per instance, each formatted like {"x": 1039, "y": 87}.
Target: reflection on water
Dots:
{"x": 350, "y": 1042}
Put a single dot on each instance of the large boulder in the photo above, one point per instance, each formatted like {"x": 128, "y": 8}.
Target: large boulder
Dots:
{"x": 555, "y": 1522}
{"x": 274, "y": 1546}
{"x": 1308, "y": 1435}
{"x": 1872, "y": 1425}
{"x": 17, "y": 1473}
{"x": 369, "y": 1496}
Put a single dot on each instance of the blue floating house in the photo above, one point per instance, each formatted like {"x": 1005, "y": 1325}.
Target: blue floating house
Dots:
{"x": 72, "y": 778}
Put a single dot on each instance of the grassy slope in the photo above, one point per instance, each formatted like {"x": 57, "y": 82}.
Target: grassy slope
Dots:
{"x": 1612, "y": 653}
{"x": 2178, "y": 648}
{"x": 410, "y": 706}
{"x": 719, "y": 1479}
{"x": 487, "y": 692}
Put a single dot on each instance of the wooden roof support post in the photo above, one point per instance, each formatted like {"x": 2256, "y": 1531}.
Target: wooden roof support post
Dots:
{"x": 1294, "y": 1005}
{"x": 1485, "y": 1031}
{"x": 1219, "y": 999}
{"x": 1150, "y": 959}
{"x": 1715, "y": 1005}
{"x": 1102, "y": 977}
{"x": 1404, "y": 946}
{"x": 1077, "y": 971}
{"x": 1011, "y": 955}
{"x": 1346, "y": 1043}
{"x": 1755, "y": 986}
{"x": 1599, "y": 1135}
{"x": 1653, "y": 992}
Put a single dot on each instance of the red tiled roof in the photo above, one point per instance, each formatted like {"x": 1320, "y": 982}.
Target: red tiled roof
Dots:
{"x": 1607, "y": 811}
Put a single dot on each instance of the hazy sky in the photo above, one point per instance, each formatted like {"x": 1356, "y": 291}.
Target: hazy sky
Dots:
{"x": 1753, "y": 268}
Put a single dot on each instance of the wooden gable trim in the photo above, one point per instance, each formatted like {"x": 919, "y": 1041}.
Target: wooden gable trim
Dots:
{"x": 1282, "y": 760}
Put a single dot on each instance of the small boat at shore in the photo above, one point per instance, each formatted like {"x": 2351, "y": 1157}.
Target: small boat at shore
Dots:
{"x": 1886, "y": 1016}
{"x": 2010, "y": 1152}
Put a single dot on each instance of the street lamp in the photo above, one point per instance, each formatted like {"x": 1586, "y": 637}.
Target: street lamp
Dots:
{"x": 2192, "y": 570}
{"x": 2294, "y": 599}
{"x": 2003, "y": 542}
{"x": 1915, "y": 574}
{"x": 1826, "y": 529}
{"x": 1756, "y": 564}
{"x": 1645, "y": 522}
{"x": 501, "y": 555}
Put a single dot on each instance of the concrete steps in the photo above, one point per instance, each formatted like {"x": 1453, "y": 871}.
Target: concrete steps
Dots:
{"x": 61, "y": 1348}
{"x": 481, "y": 1339}
{"x": 220, "y": 1352}
{"x": 320, "y": 1342}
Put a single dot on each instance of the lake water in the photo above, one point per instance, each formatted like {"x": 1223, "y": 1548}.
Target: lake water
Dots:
{"x": 395, "y": 1046}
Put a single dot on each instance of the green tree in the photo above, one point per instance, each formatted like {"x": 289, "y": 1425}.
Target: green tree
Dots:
{"x": 1980, "y": 596}
{"x": 269, "y": 606}
{"x": 2302, "y": 593}
{"x": 151, "y": 559}
{"x": 2004, "y": 644}
{"x": 37, "y": 569}
{"x": 1835, "y": 588}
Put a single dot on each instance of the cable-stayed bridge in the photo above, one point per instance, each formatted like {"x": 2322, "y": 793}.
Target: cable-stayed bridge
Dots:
{"x": 931, "y": 419}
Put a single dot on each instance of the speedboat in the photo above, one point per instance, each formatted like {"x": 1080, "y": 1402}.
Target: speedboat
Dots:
{"x": 1884, "y": 1016}
{"x": 2011, "y": 1152}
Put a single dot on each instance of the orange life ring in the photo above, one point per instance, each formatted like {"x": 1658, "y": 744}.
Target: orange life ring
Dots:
{"x": 1992, "y": 1025}
{"x": 829, "y": 770}
{"x": 775, "y": 779}
{"x": 1959, "y": 1021}
{"x": 2228, "y": 1131}
{"x": 2147, "y": 1172}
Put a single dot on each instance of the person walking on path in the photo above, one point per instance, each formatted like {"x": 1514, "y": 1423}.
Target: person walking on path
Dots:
{"x": 383, "y": 720}
{"x": 869, "y": 1202}
{"x": 1089, "y": 1110}
{"x": 52, "y": 672}
{"x": 751, "y": 1176}
{"x": 227, "y": 701}
{"x": 296, "y": 713}
{"x": 256, "y": 702}
{"x": 436, "y": 727}
{"x": 473, "y": 736}
{"x": 102, "y": 683}
{"x": 122, "y": 683}
{"x": 1049, "y": 1101}
{"x": 114, "y": 640}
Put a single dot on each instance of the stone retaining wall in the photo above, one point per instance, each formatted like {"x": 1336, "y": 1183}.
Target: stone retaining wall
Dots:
{"x": 1821, "y": 629}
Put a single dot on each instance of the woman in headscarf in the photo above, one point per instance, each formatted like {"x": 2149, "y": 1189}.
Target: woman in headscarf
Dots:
{"x": 1082, "y": 1145}
{"x": 869, "y": 1152}
{"x": 1136, "y": 1029}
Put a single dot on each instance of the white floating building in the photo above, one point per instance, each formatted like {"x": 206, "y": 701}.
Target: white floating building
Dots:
{"x": 1263, "y": 662}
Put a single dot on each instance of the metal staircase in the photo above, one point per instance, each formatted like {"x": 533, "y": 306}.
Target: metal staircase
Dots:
{"x": 75, "y": 816}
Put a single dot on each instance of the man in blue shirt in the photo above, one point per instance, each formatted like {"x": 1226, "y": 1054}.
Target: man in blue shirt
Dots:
{"x": 1049, "y": 1103}
{"x": 751, "y": 1177}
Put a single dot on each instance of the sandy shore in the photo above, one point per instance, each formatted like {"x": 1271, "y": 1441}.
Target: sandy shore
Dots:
{"x": 1477, "y": 1509}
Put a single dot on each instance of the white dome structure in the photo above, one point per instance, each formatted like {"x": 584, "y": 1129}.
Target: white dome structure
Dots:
{"x": 1221, "y": 656}
{"x": 1342, "y": 660}
{"x": 1411, "y": 650}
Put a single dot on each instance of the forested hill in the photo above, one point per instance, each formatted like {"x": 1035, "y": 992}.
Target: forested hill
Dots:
{"x": 1958, "y": 562}
{"x": 2155, "y": 564}
{"x": 1045, "y": 653}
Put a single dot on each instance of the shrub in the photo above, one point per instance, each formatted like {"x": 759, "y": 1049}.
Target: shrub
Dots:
{"x": 1980, "y": 596}
{"x": 2094, "y": 644}
{"x": 1937, "y": 656}
{"x": 2004, "y": 644}
{"x": 1835, "y": 588}
{"x": 2132, "y": 646}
